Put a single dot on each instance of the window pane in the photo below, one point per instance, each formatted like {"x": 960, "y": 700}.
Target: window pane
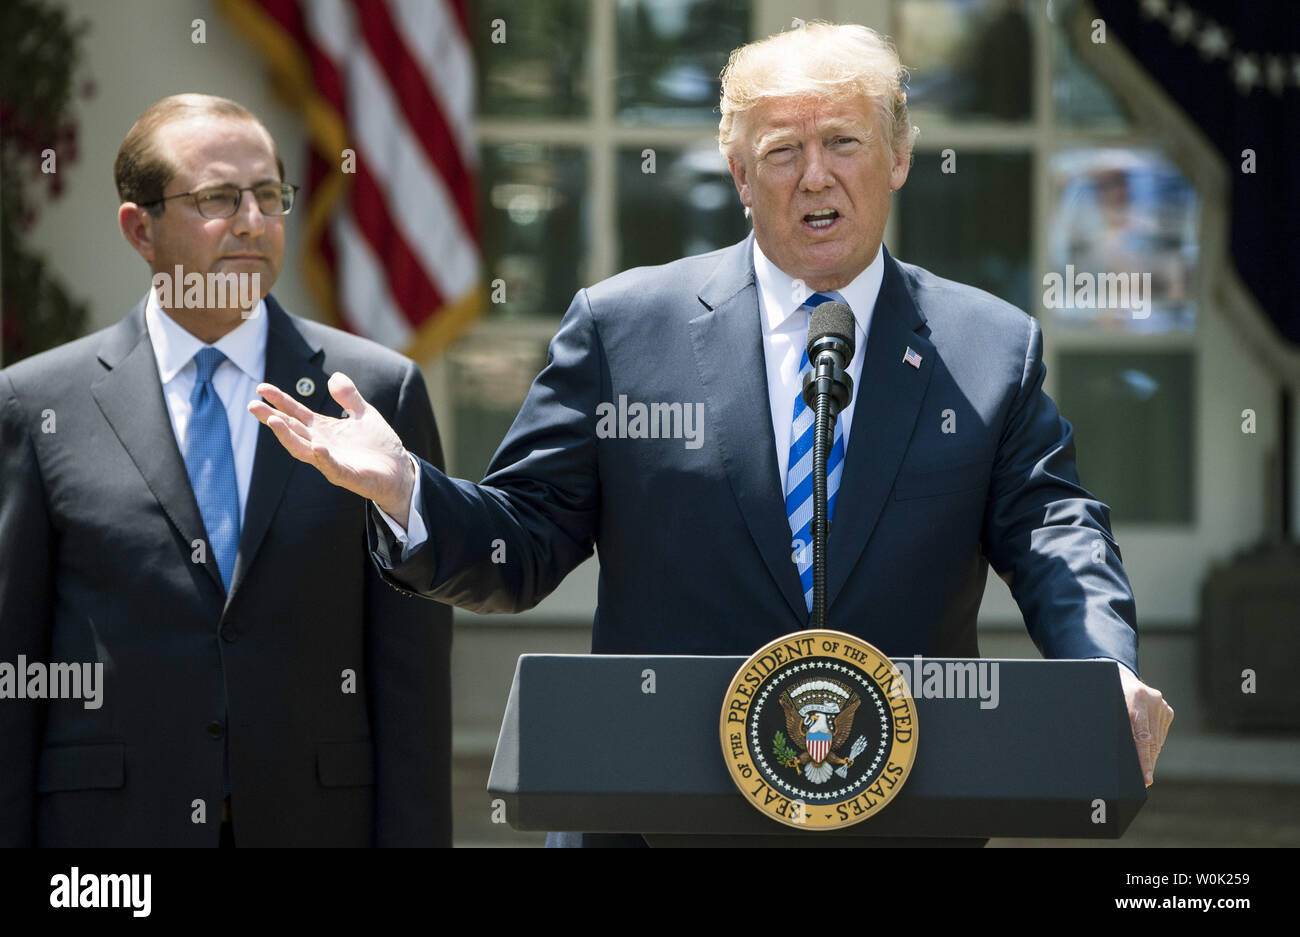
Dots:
{"x": 1079, "y": 97}
{"x": 1122, "y": 241}
{"x": 491, "y": 376}
{"x": 688, "y": 205}
{"x": 534, "y": 238}
{"x": 670, "y": 54}
{"x": 969, "y": 60}
{"x": 540, "y": 69}
{"x": 1133, "y": 417}
{"x": 971, "y": 225}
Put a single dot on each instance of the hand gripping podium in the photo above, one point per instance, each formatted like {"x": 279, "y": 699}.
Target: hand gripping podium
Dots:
{"x": 584, "y": 748}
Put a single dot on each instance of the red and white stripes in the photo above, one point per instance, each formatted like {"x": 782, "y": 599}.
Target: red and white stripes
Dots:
{"x": 394, "y": 79}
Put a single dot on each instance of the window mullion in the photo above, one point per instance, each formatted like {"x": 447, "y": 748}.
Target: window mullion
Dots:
{"x": 602, "y": 206}
{"x": 1040, "y": 214}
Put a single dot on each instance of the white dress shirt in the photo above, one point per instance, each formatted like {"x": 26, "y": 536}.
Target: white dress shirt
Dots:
{"x": 785, "y": 335}
{"x": 235, "y": 380}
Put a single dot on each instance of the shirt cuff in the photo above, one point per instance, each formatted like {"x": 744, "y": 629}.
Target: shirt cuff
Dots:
{"x": 415, "y": 534}
{"x": 1119, "y": 663}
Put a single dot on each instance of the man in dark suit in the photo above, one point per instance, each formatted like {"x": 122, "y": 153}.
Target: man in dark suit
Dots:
{"x": 957, "y": 460}
{"x": 260, "y": 684}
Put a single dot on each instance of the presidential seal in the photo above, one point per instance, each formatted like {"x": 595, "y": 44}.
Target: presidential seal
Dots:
{"x": 819, "y": 730}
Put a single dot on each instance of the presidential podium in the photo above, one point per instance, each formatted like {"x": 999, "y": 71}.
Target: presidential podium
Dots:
{"x": 631, "y": 744}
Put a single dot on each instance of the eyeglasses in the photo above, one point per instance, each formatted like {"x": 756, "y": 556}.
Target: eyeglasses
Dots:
{"x": 222, "y": 201}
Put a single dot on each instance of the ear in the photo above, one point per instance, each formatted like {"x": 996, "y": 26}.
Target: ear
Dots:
{"x": 898, "y": 171}
{"x": 137, "y": 227}
{"x": 740, "y": 175}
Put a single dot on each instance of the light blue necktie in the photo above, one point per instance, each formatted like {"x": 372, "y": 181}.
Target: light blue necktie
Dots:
{"x": 799, "y": 475}
{"x": 210, "y": 462}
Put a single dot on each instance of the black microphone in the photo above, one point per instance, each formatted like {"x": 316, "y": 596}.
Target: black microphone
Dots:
{"x": 830, "y": 349}
{"x": 827, "y": 389}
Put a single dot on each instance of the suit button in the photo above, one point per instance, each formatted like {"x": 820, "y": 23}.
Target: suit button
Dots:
{"x": 229, "y": 634}
{"x": 216, "y": 730}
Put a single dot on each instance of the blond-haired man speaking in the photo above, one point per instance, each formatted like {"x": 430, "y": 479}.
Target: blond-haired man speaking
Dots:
{"x": 696, "y": 540}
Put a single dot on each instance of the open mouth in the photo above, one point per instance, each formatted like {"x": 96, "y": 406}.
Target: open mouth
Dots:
{"x": 821, "y": 219}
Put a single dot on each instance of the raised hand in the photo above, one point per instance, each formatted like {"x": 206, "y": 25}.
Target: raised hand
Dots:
{"x": 359, "y": 452}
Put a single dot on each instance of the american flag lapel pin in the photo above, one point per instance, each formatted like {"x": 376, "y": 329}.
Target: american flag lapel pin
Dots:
{"x": 912, "y": 358}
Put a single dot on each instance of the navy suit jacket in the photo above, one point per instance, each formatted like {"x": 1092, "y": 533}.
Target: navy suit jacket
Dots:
{"x": 694, "y": 543}
{"x": 97, "y": 522}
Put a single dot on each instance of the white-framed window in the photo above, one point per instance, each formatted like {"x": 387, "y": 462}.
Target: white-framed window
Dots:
{"x": 597, "y": 135}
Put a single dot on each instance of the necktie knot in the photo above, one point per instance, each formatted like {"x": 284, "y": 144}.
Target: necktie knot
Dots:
{"x": 816, "y": 299}
{"x": 208, "y": 360}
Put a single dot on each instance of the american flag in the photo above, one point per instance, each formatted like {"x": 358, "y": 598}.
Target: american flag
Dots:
{"x": 912, "y": 358}
{"x": 391, "y": 233}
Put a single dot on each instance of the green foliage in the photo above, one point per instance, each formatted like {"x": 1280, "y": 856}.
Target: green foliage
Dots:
{"x": 782, "y": 750}
{"x": 40, "y": 55}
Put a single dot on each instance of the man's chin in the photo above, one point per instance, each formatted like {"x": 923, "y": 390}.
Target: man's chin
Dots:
{"x": 246, "y": 267}
{"x": 243, "y": 264}
{"x": 820, "y": 276}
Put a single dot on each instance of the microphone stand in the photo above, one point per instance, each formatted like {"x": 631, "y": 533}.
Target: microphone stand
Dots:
{"x": 827, "y": 389}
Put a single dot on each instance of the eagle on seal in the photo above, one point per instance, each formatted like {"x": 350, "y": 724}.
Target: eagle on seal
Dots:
{"x": 818, "y": 731}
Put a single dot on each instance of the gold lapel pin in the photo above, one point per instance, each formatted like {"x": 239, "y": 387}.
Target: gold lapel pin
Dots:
{"x": 305, "y": 387}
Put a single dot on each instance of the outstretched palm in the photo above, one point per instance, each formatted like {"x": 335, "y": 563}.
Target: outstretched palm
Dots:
{"x": 359, "y": 452}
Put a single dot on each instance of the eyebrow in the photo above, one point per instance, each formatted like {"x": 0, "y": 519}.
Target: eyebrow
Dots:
{"x": 772, "y": 137}
{"x": 227, "y": 184}
{"x": 847, "y": 126}
{"x": 780, "y": 134}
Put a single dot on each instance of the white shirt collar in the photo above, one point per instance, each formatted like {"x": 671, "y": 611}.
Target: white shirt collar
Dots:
{"x": 780, "y": 302}
{"x": 174, "y": 347}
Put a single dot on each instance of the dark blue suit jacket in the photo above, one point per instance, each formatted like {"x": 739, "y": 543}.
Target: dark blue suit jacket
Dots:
{"x": 694, "y": 543}
{"x": 97, "y": 525}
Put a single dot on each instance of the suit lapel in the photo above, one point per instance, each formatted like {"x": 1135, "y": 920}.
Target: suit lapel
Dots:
{"x": 289, "y": 357}
{"x": 728, "y": 343}
{"x": 131, "y": 399}
{"x": 889, "y": 398}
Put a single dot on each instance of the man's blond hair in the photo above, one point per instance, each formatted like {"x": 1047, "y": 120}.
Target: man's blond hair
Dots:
{"x": 820, "y": 59}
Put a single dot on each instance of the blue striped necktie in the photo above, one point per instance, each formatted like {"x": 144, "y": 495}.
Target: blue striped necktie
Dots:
{"x": 210, "y": 463}
{"x": 799, "y": 474}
